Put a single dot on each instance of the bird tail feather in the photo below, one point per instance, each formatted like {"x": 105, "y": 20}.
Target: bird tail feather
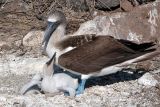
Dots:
{"x": 144, "y": 57}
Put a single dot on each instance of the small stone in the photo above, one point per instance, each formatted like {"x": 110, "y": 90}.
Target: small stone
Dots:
{"x": 4, "y": 46}
{"x": 126, "y": 5}
{"x": 125, "y": 93}
{"x": 18, "y": 43}
{"x": 148, "y": 80}
{"x": 132, "y": 104}
{"x": 2, "y": 99}
{"x": 33, "y": 38}
{"x": 2, "y": 43}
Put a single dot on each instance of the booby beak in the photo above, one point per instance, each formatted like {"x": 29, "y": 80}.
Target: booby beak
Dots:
{"x": 48, "y": 32}
{"x": 52, "y": 59}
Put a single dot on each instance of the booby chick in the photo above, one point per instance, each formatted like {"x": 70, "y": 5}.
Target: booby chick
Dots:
{"x": 91, "y": 55}
{"x": 56, "y": 83}
{"x": 51, "y": 84}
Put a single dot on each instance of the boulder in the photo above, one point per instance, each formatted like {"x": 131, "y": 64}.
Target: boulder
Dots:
{"x": 140, "y": 25}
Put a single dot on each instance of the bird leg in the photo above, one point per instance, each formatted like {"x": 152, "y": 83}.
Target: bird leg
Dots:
{"x": 81, "y": 87}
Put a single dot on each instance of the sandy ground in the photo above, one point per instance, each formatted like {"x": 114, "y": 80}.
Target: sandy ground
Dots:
{"x": 117, "y": 90}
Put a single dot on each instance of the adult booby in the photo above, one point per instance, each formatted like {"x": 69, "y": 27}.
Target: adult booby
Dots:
{"x": 91, "y": 55}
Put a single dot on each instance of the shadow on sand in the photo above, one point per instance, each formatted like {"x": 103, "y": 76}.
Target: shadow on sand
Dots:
{"x": 120, "y": 76}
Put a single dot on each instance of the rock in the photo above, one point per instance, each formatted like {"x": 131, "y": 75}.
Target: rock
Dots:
{"x": 4, "y": 45}
{"x": 156, "y": 71}
{"x": 18, "y": 43}
{"x": 131, "y": 104}
{"x": 107, "y": 4}
{"x": 140, "y": 25}
{"x": 148, "y": 80}
{"x": 144, "y": 1}
{"x": 33, "y": 38}
{"x": 77, "y": 5}
{"x": 126, "y": 5}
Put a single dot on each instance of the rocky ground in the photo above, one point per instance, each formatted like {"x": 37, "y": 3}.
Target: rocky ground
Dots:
{"x": 21, "y": 58}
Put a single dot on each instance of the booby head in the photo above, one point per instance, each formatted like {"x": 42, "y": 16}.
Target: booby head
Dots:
{"x": 55, "y": 21}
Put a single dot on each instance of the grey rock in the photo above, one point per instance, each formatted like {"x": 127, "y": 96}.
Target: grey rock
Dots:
{"x": 148, "y": 80}
{"x": 140, "y": 25}
{"x": 33, "y": 38}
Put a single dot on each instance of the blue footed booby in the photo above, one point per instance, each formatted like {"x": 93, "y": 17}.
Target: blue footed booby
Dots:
{"x": 91, "y": 55}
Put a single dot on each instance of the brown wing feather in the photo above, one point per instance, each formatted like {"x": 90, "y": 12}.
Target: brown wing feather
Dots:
{"x": 102, "y": 52}
{"x": 75, "y": 41}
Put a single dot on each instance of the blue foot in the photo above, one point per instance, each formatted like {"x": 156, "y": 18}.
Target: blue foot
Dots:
{"x": 81, "y": 87}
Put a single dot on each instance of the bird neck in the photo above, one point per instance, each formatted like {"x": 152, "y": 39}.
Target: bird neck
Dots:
{"x": 47, "y": 71}
{"x": 57, "y": 36}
